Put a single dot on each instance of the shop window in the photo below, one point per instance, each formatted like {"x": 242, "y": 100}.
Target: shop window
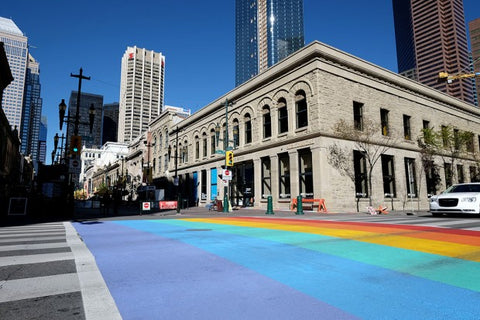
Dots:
{"x": 266, "y": 177}
{"x": 410, "y": 177}
{"x": 203, "y": 184}
{"x": 284, "y": 175}
{"x": 388, "y": 171}
{"x": 282, "y": 116}
{"x": 306, "y": 173}
{"x": 360, "y": 169}
{"x": 267, "y": 122}
{"x": 301, "y": 109}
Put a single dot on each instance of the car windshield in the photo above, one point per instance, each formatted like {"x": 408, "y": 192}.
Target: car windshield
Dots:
{"x": 463, "y": 188}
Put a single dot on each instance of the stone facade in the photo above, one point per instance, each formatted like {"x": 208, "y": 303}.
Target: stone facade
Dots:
{"x": 323, "y": 83}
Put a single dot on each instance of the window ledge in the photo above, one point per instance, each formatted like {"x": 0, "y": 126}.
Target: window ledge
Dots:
{"x": 301, "y": 129}
{"x": 283, "y": 134}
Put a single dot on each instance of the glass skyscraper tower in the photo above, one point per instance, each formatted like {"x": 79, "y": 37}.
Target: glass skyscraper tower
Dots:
{"x": 266, "y": 31}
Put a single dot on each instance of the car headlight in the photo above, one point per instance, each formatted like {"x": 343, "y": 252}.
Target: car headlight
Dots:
{"x": 433, "y": 199}
{"x": 469, "y": 199}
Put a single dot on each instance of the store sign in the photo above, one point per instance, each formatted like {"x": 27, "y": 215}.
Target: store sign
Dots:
{"x": 165, "y": 205}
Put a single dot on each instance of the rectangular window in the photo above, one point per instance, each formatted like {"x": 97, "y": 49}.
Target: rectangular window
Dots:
{"x": 460, "y": 175}
{"x": 432, "y": 176}
{"x": 456, "y": 138}
{"x": 358, "y": 115}
{"x": 306, "y": 173}
{"x": 407, "y": 134}
{"x": 266, "y": 177}
{"x": 384, "y": 121}
{"x": 388, "y": 171}
{"x": 444, "y": 132}
{"x": 469, "y": 142}
{"x": 203, "y": 183}
{"x": 284, "y": 175}
{"x": 426, "y": 124}
{"x": 213, "y": 183}
{"x": 267, "y": 124}
{"x": 197, "y": 149}
{"x": 410, "y": 177}
{"x": 282, "y": 119}
{"x": 448, "y": 174}
{"x": 360, "y": 168}
{"x": 474, "y": 174}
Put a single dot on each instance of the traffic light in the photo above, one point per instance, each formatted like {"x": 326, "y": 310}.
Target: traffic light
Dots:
{"x": 229, "y": 158}
{"x": 76, "y": 145}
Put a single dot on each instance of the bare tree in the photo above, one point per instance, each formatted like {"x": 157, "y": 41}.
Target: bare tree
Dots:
{"x": 447, "y": 143}
{"x": 368, "y": 139}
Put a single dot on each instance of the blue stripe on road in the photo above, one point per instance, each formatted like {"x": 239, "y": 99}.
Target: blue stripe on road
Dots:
{"x": 349, "y": 285}
{"x": 181, "y": 281}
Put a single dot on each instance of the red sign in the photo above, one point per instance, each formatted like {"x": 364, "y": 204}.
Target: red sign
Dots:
{"x": 167, "y": 205}
{"x": 146, "y": 205}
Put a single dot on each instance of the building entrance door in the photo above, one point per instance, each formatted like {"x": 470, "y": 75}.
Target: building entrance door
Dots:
{"x": 242, "y": 190}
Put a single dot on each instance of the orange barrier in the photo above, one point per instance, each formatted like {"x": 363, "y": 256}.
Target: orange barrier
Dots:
{"x": 382, "y": 210}
{"x": 321, "y": 204}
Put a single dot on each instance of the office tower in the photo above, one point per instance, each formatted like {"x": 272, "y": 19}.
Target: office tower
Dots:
{"x": 141, "y": 91}
{"x": 474, "y": 27}
{"x": 32, "y": 110}
{"x": 110, "y": 122}
{"x": 431, "y": 38}
{"x": 42, "y": 140}
{"x": 89, "y": 140}
{"x": 16, "y": 48}
{"x": 266, "y": 31}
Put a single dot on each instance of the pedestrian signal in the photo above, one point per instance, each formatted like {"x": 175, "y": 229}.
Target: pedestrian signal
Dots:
{"x": 229, "y": 158}
{"x": 76, "y": 145}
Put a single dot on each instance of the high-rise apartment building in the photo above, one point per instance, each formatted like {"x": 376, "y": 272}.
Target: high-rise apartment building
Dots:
{"x": 32, "y": 110}
{"x": 141, "y": 91}
{"x": 431, "y": 38}
{"x": 110, "y": 123}
{"x": 16, "y": 48}
{"x": 89, "y": 140}
{"x": 266, "y": 31}
{"x": 474, "y": 28}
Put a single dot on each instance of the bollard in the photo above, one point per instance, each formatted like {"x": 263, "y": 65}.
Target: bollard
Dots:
{"x": 299, "y": 205}
{"x": 269, "y": 205}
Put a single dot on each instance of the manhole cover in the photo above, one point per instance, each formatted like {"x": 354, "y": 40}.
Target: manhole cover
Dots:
{"x": 199, "y": 230}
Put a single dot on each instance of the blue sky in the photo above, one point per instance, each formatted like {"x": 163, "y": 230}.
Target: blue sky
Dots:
{"x": 196, "y": 37}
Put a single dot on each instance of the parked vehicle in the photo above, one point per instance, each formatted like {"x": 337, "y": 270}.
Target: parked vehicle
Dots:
{"x": 457, "y": 199}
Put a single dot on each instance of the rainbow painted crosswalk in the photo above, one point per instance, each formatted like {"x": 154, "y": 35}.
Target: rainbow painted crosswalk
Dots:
{"x": 258, "y": 268}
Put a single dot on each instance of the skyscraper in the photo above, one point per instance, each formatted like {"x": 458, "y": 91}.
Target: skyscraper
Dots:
{"x": 474, "y": 28}
{"x": 141, "y": 91}
{"x": 266, "y": 31}
{"x": 16, "y": 48}
{"x": 89, "y": 140}
{"x": 110, "y": 123}
{"x": 32, "y": 110}
{"x": 431, "y": 37}
{"x": 42, "y": 140}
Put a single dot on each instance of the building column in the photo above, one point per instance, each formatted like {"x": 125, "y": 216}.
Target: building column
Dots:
{"x": 274, "y": 177}
{"x": 294, "y": 187}
{"x": 257, "y": 178}
{"x": 318, "y": 164}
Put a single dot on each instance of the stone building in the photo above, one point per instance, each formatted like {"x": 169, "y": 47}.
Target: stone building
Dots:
{"x": 281, "y": 128}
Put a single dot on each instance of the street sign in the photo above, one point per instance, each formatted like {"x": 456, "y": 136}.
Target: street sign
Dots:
{"x": 220, "y": 151}
{"x": 146, "y": 206}
{"x": 227, "y": 175}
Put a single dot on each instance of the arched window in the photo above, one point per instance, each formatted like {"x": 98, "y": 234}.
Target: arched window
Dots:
{"x": 197, "y": 147}
{"x": 282, "y": 116}
{"x": 267, "y": 122}
{"x": 248, "y": 128}
{"x": 154, "y": 144}
{"x": 160, "y": 142}
{"x": 212, "y": 141}
{"x": 185, "y": 152}
{"x": 236, "y": 139}
{"x": 301, "y": 109}
{"x": 204, "y": 144}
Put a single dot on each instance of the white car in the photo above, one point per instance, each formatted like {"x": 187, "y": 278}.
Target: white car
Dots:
{"x": 459, "y": 198}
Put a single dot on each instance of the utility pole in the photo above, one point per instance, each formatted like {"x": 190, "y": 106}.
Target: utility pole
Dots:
{"x": 77, "y": 113}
